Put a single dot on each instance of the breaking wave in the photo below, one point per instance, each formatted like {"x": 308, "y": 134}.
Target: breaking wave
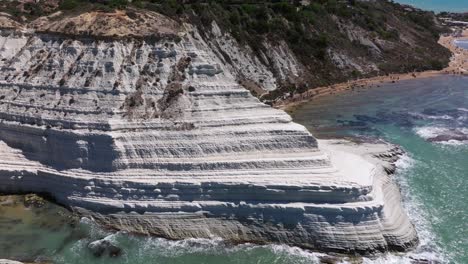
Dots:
{"x": 427, "y": 248}
{"x": 427, "y": 251}
{"x": 144, "y": 249}
{"x": 448, "y": 127}
{"x": 141, "y": 249}
{"x": 443, "y": 135}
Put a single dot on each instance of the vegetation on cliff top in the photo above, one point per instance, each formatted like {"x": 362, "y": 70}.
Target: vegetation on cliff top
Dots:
{"x": 388, "y": 36}
{"x": 454, "y": 16}
{"x": 400, "y": 38}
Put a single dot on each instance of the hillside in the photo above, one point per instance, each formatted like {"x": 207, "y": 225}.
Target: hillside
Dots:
{"x": 278, "y": 48}
{"x": 136, "y": 120}
{"x": 142, "y": 120}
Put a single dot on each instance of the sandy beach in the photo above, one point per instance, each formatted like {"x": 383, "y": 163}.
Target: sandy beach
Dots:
{"x": 458, "y": 65}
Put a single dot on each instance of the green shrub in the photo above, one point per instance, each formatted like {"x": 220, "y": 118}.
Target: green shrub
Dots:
{"x": 34, "y": 9}
{"x": 68, "y": 4}
{"x": 117, "y": 3}
{"x": 436, "y": 64}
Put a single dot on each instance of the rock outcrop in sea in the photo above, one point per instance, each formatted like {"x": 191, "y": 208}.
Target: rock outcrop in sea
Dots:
{"x": 152, "y": 134}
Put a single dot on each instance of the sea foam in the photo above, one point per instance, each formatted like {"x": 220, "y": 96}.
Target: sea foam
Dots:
{"x": 432, "y": 132}
{"x": 427, "y": 248}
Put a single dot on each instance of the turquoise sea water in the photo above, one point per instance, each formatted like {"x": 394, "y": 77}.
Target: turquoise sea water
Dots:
{"x": 433, "y": 177}
{"x": 438, "y": 5}
{"x": 429, "y": 119}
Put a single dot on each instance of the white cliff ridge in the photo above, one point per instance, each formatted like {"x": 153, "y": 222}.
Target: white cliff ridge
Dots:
{"x": 154, "y": 135}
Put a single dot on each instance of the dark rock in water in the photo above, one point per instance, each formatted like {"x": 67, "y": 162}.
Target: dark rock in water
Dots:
{"x": 103, "y": 246}
{"x": 352, "y": 123}
{"x": 426, "y": 112}
{"x": 366, "y": 118}
{"x": 448, "y": 137}
{"x": 399, "y": 118}
{"x": 449, "y": 134}
{"x": 32, "y": 200}
{"x": 386, "y": 117}
{"x": 423, "y": 261}
{"x": 454, "y": 113}
{"x": 329, "y": 260}
{"x": 430, "y": 111}
{"x": 114, "y": 251}
{"x": 98, "y": 247}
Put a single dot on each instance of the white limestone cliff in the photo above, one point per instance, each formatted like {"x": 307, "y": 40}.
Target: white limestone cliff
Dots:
{"x": 154, "y": 135}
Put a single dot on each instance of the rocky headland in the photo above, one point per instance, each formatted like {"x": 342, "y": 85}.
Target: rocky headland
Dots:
{"x": 150, "y": 131}
{"x": 458, "y": 65}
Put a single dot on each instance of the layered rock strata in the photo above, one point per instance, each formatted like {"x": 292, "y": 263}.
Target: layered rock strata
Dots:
{"x": 154, "y": 135}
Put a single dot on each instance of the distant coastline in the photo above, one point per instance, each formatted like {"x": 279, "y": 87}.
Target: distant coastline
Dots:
{"x": 438, "y": 5}
{"x": 458, "y": 65}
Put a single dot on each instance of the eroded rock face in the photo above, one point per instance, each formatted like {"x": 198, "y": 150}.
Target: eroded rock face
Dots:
{"x": 157, "y": 137}
{"x": 6, "y": 21}
{"x": 129, "y": 23}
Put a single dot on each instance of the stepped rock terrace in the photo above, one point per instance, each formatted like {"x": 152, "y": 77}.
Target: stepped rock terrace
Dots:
{"x": 158, "y": 137}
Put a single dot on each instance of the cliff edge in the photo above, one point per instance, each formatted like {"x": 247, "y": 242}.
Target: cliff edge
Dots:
{"x": 276, "y": 49}
{"x": 153, "y": 134}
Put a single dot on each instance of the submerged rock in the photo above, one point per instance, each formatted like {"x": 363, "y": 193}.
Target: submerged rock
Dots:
{"x": 448, "y": 137}
{"x": 442, "y": 134}
{"x": 104, "y": 247}
{"x": 32, "y": 200}
{"x": 25, "y": 227}
{"x": 329, "y": 260}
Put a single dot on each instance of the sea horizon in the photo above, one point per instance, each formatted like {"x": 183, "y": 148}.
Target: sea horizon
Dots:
{"x": 456, "y": 6}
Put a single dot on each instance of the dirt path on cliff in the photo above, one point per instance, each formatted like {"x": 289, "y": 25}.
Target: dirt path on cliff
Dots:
{"x": 458, "y": 65}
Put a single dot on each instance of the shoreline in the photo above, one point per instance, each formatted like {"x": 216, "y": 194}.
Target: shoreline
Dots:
{"x": 380, "y": 154}
{"x": 370, "y": 180}
{"x": 458, "y": 65}
{"x": 242, "y": 186}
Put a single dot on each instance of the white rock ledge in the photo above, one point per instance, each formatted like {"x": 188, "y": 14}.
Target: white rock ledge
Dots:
{"x": 159, "y": 138}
